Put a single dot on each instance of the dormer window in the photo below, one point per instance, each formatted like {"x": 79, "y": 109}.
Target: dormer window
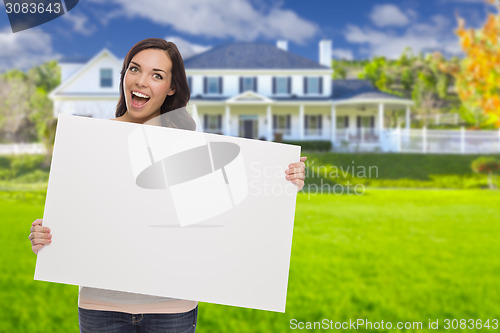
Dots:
{"x": 106, "y": 77}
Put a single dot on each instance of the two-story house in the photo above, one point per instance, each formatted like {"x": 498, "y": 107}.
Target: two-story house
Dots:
{"x": 252, "y": 90}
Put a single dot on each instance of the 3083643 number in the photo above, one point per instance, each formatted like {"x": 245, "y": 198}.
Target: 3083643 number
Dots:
{"x": 470, "y": 324}
{"x": 32, "y": 8}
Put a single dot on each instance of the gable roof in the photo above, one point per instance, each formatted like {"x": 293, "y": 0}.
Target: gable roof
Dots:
{"x": 249, "y": 56}
{"x": 104, "y": 53}
{"x": 249, "y": 97}
{"x": 74, "y": 60}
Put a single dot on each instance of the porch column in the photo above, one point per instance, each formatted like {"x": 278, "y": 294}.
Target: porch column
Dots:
{"x": 227, "y": 121}
{"x": 333, "y": 123}
{"x": 269, "y": 124}
{"x": 407, "y": 119}
{"x": 301, "y": 122}
{"x": 380, "y": 118}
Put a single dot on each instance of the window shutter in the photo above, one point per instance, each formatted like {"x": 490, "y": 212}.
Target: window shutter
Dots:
{"x": 372, "y": 121}
{"x": 205, "y": 85}
{"x": 205, "y": 121}
{"x": 219, "y": 122}
{"x": 321, "y": 85}
{"x": 274, "y": 86}
{"x": 241, "y": 84}
{"x": 275, "y": 122}
{"x": 190, "y": 84}
{"x": 358, "y": 121}
{"x": 306, "y": 122}
{"x": 288, "y": 122}
{"x": 346, "y": 121}
{"x": 319, "y": 121}
{"x": 255, "y": 84}
{"x": 305, "y": 85}
{"x": 220, "y": 84}
{"x": 289, "y": 84}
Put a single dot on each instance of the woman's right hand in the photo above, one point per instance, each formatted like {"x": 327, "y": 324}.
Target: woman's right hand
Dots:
{"x": 39, "y": 236}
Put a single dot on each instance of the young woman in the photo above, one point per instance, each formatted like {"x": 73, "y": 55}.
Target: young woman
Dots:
{"x": 153, "y": 82}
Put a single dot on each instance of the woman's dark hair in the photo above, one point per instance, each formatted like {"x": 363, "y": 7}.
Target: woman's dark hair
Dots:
{"x": 179, "y": 81}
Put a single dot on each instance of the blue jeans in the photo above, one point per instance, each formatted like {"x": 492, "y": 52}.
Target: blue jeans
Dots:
{"x": 92, "y": 321}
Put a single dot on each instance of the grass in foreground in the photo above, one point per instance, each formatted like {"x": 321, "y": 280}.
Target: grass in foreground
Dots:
{"x": 392, "y": 255}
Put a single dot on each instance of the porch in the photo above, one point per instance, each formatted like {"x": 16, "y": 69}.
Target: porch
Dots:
{"x": 360, "y": 126}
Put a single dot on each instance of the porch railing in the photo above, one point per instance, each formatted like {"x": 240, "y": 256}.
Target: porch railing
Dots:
{"x": 423, "y": 140}
{"x": 22, "y": 148}
{"x": 443, "y": 141}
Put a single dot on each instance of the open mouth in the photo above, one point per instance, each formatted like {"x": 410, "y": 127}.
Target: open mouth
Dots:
{"x": 138, "y": 99}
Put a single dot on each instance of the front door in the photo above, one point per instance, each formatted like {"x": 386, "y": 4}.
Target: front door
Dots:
{"x": 248, "y": 128}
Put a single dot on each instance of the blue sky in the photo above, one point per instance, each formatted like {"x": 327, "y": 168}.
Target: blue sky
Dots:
{"x": 359, "y": 29}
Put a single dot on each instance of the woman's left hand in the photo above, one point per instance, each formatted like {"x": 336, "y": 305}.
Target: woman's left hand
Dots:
{"x": 296, "y": 173}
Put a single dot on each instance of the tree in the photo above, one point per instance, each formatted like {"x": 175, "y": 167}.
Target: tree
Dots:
{"x": 339, "y": 70}
{"x": 15, "y": 94}
{"x": 488, "y": 166}
{"x": 25, "y": 109}
{"x": 46, "y": 77}
{"x": 407, "y": 79}
{"x": 478, "y": 74}
{"x": 376, "y": 72}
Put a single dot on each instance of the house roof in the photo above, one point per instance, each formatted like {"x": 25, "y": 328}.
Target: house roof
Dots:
{"x": 74, "y": 60}
{"x": 249, "y": 56}
{"x": 61, "y": 87}
{"x": 355, "y": 89}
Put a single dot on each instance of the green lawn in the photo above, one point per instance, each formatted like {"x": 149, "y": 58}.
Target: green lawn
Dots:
{"x": 392, "y": 255}
{"x": 401, "y": 165}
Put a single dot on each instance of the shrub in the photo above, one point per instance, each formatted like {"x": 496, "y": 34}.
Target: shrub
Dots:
{"x": 24, "y": 164}
{"x": 37, "y": 176}
{"x": 314, "y": 145}
{"x": 488, "y": 166}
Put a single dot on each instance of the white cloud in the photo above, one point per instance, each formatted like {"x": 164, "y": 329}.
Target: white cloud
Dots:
{"x": 421, "y": 37}
{"x": 186, "y": 48}
{"x": 388, "y": 15}
{"x": 345, "y": 54}
{"x": 412, "y": 14}
{"x": 24, "y": 49}
{"x": 238, "y": 19}
{"x": 80, "y": 23}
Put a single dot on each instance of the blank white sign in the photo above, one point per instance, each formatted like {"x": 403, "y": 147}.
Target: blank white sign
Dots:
{"x": 169, "y": 212}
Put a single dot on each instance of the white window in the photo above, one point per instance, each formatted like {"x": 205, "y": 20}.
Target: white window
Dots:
{"x": 313, "y": 125}
{"x": 282, "y": 123}
{"x": 106, "y": 77}
{"x": 312, "y": 85}
{"x": 213, "y": 85}
{"x": 247, "y": 83}
{"x": 342, "y": 122}
{"x": 212, "y": 123}
{"x": 281, "y": 85}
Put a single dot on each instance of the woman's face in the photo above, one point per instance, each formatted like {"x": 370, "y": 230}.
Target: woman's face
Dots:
{"x": 146, "y": 84}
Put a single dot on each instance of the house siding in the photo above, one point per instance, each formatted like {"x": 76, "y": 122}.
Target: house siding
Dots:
{"x": 89, "y": 80}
